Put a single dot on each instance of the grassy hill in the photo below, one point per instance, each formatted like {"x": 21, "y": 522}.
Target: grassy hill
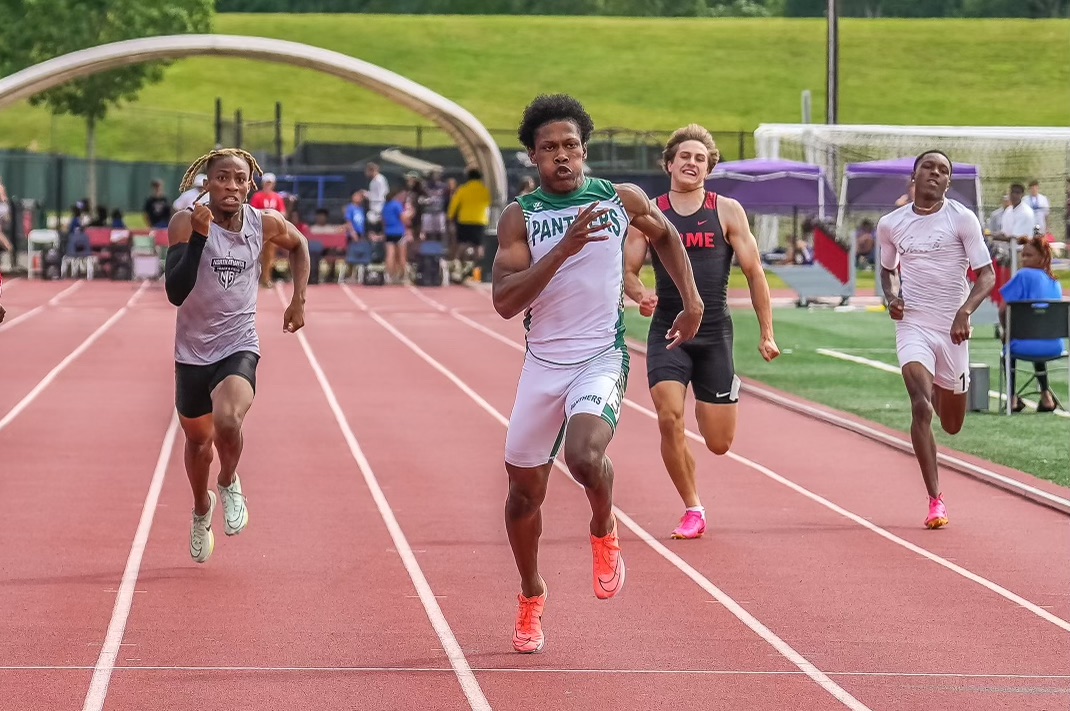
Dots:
{"x": 638, "y": 73}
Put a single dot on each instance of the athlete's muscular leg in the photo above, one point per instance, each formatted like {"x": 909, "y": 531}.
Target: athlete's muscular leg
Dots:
{"x": 231, "y": 400}
{"x": 950, "y": 408}
{"x": 668, "y": 396}
{"x": 523, "y": 522}
{"x": 717, "y": 424}
{"x": 919, "y": 384}
{"x": 586, "y": 439}
{"x": 198, "y": 458}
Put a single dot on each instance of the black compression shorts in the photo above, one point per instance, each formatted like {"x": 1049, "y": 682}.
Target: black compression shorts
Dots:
{"x": 705, "y": 363}
{"x": 194, "y": 383}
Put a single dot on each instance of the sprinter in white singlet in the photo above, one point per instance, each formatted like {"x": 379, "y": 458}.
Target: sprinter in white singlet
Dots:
{"x": 212, "y": 276}
{"x": 926, "y": 247}
{"x": 560, "y": 262}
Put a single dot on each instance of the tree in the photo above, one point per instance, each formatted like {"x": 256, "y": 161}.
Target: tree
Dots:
{"x": 51, "y": 28}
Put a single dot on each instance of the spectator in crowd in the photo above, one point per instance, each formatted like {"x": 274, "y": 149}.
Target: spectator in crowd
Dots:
{"x": 995, "y": 218}
{"x": 5, "y": 221}
{"x": 117, "y": 221}
{"x": 435, "y": 200}
{"x": 469, "y": 208}
{"x": 394, "y": 233}
{"x": 158, "y": 208}
{"x": 356, "y": 217}
{"x": 1040, "y": 205}
{"x": 101, "y": 219}
{"x": 1018, "y": 219}
{"x": 1034, "y": 281}
{"x": 865, "y": 244}
{"x": 376, "y": 195}
{"x": 267, "y": 199}
{"x": 414, "y": 204}
{"x": 185, "y": 200}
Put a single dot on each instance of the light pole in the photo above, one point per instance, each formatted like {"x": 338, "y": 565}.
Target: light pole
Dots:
{"x": 832, "y": 89}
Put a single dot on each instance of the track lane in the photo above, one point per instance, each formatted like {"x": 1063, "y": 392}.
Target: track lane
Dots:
{"x": 312, "y": 582}
{"x": 33, "y": 347}
{"x": 76, "y": 466}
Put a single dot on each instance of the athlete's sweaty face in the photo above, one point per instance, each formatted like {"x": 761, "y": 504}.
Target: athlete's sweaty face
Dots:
{"x": 559, "y": 155}
{"x": 690, "y": 166}
{"x": 932, "y": 177}
{"x": 229, "y": 182}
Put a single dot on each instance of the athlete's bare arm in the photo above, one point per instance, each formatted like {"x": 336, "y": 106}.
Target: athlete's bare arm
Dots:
{"x": 515, "y": 281}
{"x": 281, "y": 232}
{"x": 973, "y": 242}
{"x": 635, "y": 251}
{"x": 665, "y": 239}
{"x": 187, "y": 233}
{"x": 737, "y": 231}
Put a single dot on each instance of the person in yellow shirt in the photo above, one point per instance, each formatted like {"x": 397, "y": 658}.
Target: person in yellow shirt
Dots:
{"x": 469, "y": 209}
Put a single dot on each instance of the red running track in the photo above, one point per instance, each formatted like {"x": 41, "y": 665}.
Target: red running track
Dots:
{"x": 375, "y": 572}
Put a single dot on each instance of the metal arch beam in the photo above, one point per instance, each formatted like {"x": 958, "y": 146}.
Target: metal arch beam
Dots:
{"x": 472, "y": 138}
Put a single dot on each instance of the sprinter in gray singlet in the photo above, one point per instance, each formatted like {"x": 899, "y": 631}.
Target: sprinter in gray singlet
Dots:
{"x": 213, "y": 276}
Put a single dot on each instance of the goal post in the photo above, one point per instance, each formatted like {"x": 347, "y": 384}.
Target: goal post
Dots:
{"x": 1002, "y": 155}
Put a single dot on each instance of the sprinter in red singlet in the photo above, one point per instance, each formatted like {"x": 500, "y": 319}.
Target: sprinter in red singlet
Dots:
{"x": 714, "y": 229}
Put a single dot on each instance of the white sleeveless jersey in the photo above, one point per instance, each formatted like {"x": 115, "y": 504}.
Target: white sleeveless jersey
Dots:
{"x": 218, "y": 318}
{"x": 580, "y": 313}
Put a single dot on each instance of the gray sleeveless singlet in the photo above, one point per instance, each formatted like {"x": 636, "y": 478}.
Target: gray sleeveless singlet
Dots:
{"x": 218, "y": 318}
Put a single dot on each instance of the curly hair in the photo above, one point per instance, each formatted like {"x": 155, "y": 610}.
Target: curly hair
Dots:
{"x": 204, "y": 163}
{"x": 553, "y": 107}
{"x": 691, "y": 132}
{"x": 1041, "y": 245}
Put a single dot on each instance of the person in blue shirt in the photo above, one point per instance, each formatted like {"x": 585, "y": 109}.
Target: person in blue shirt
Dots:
{"x": 394, "y": 233}
{"x": 1033, "y": 282}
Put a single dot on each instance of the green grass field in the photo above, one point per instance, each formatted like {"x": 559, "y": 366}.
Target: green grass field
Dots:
{"x": 637, "y": 73}
{"x": 1029, "y": 441}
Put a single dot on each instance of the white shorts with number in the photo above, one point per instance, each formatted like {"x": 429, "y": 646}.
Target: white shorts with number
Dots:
{"x": 548, "y": 395}
{"x": 948, "y": 363}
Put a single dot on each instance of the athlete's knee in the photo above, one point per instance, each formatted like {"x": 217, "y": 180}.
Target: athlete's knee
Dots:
{"x": 525, "y": 498}
{"x": 719, "y": 443}
{"x": 671, "y": 424}
{"x": 228, "y": 424}
{"x": 921, "y": 410}
{"x": 587, "y": 463}
{"x": 952, "y": 426}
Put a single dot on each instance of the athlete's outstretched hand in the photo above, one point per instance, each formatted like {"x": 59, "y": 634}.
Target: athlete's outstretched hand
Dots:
{"x": 294, "y": 318}
{"x": 895, "y": 308}
{"x": 648, "y": 304}
{"x": 768, "y": 348}
{"x": 585, "y": 228}
{"x": 683, "y": 328}
{"x": 201, "y": 219}
{"x": 960, "y": 328}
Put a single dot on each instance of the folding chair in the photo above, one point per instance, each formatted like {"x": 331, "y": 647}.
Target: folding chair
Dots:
{"x": 45, "y": 239}
{"x": 145, "y": 257}
{"x": 1033, "y": 320}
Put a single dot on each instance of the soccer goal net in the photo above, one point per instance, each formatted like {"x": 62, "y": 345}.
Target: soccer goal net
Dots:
{"x": 1002, "y": 156}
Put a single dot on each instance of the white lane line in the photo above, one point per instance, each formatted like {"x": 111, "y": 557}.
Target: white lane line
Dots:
{"x": 887, "y": 368}
{"x": 465, "y": 676}
{"x": 550, "y": 670}
{"x": 973, "y": 577}
{"x": 724, "y": 599}
{"x": 90, "y": 340}
{"x": 102, "y": 672}
{"x": 38, "y": 309}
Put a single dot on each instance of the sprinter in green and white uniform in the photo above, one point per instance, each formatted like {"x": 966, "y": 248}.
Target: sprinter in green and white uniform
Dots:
{"x": 560, "y": 262}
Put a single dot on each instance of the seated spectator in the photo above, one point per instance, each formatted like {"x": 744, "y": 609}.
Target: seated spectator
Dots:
{"x": 1033, "y": 282}
{"x": 865, "y": 245}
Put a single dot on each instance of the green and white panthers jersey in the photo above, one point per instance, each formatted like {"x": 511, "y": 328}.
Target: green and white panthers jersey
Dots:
{"x": 580, "y": 313}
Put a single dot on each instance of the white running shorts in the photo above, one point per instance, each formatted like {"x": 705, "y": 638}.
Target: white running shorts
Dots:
{"x": 548, "y": 395}
{"x": 948, "y": 363}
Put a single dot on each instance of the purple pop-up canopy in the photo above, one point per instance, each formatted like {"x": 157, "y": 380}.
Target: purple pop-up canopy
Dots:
{"x": 774, "y": 187}
{"x": 876, "y": 185}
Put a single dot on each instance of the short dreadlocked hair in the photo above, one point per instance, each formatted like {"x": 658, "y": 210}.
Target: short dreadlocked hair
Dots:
{"x": 546, "y": 108}
{"x": 204, "y": 163}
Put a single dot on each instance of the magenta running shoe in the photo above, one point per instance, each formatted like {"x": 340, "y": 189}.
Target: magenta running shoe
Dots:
{"x": 692, "y": 525}
{"x": 937, "y": 513}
